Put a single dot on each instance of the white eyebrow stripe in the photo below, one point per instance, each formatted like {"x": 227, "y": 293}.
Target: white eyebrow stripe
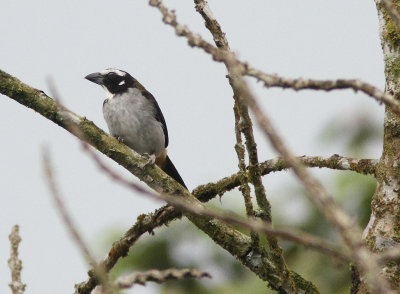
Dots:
{"x": 117, "y": 71}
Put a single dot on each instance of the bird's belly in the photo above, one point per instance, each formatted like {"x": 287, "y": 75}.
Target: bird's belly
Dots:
{"x": 136, "y": 129}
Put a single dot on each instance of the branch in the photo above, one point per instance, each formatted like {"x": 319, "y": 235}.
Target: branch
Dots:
{"x": 145, "y": 224}
{"x": 14, "y": 263}
{"x": 212, "y": 24}
{"x": 273, "y": 81}
{"x": 363, "y": 166}
{"x": 159, "y": 276}
{"x": 194, "y": 40}
{"x": 349, "y": 232}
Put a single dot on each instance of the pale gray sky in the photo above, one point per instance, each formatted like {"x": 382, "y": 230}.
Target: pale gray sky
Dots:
{"x": 70, "y": 39}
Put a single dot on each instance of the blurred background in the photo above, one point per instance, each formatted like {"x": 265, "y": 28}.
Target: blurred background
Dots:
{"x": 66, "y": 40}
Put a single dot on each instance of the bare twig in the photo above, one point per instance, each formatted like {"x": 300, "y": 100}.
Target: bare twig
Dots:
{"x": 159, "y": 276}
{"x": 63, "y": 210}
{"x": 99, "y": 271}
{"x": 273, "y": 81}
{"x": 212, "y": 24}
{"x": 14, "y": 263}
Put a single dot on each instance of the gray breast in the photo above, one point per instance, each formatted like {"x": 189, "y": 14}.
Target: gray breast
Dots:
{"x": 131, "y": 117}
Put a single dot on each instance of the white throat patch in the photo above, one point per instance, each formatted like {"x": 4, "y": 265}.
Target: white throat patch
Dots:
{"x": 109, "y": 95}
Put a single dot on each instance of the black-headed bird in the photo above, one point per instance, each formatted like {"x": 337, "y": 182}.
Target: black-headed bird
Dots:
{"x": 134, "y": 117}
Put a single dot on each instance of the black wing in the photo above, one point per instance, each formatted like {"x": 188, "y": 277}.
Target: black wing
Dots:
{"x": 159, "y": 115}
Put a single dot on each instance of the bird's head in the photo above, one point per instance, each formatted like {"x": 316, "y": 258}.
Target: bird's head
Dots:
{"x": 114, "y": 81}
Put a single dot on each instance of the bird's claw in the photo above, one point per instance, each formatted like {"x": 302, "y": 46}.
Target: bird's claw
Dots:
{"x": 119, "y": 139}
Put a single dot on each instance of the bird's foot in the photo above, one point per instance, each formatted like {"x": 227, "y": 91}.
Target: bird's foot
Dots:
{"x": 119, "y": 139}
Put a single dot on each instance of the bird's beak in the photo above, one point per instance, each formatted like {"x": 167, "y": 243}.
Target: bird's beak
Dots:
{"x": 95, "y": 78}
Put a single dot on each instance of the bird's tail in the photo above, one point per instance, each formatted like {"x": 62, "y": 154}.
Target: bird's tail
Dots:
{"x": 170, "y": 170}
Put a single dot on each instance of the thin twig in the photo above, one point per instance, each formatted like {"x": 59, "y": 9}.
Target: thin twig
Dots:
{"x": 212, "y": 24}
{"x": 48, "y": 169}
{"x": 14, "y": 263}
{"x": 159, "y": 276}
{"x": 274, "y": 81}
{"x": 71, "y": 227}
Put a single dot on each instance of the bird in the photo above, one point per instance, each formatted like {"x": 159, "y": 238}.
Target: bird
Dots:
{"x": 134, "y": 117}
